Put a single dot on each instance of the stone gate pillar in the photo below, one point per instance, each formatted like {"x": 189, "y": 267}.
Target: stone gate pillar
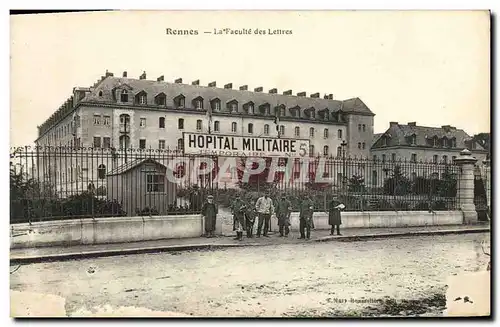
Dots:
{"x": 486, "y": 175}
{"x": 465, "y": 189}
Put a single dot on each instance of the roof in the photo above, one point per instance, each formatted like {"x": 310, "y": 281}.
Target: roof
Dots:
{"x": 190, "y": 92}
{"x": 376, "y": 137}
{"x": 132, "y": 164}
{"x": 397, "y": 133}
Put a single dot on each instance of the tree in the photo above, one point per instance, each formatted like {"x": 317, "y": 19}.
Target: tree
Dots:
{"x": 483, "y": 139}
{"x": 356, "y": 184}
{"x": 256, "y": 182}
{"x": 398, "y": 183}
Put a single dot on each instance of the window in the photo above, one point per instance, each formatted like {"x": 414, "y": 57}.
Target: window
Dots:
{"x": 106, "y": 142}
{"x": 161, "y": 144}
{"x": 359, "y": 127}
{"x": 161, "y": 99}
{"x": 198, "y": 125}
{"x": 383, "y": 158}
{"x": 143, "y": 122}
{"x": 363, "y": 145}
{"x": 101, "y": 171}
{"x": 216, "y": 104}
{"x": 180, "y": 123}
{"x": 250, "y": 108}
{"x": 393, "y": 157}
{"x": 364, "y": 128}
{"x": 374, "y": 178}
{"x": 107, "y": 120}
{"x": 250, "y": 128}
{"x": 339, "y": 134}
{"x": 282, "y": 130}
{"x": 97, "y": 119}
{"x": 97, "y": 142}
{"x": 198, "y": 103}
{"x": 266, "y": 129}
{"x": 179, "y": 101}
{"x": 325, "y": 133}
{"x": 124, "y": 96}
{"x": 100, "y": 93}
{"x": 180, "y": 144}
{"x": 311, "y": 132}
{"x": 234, "y": 127}
{"x": 359, "y": 145}
{"x": 283, "y": 111}
{"x": 445, "y": 159}
{"x": 297, "y": 131}
{"x": 413, "y": 157}
{"x": 216, "y": 126}
{"x": 124, "y": 123}
{"x": 234, "y": 107}
{"x": 142, "y": 144}
{"x": 339, "y": 151}
{"x": 311, "y": 150}
{"x": 155, "y": 183}
{"x": 161, "y": 122}
{"x": 325, "y": 150}
{"x": 435, "y": 158}
{"x": 142, "y": 98}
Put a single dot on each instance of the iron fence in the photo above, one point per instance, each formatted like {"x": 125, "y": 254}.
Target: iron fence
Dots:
{"x": 61, "y": 182}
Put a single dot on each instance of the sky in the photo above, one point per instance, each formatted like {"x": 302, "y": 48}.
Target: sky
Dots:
{"x": 429, "y": 67}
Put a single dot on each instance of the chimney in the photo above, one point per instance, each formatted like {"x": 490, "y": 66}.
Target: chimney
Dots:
{"x": 124, "y": 74}
{"x": 315, "y": 95}
{"x": 143, "y": 76}
{"x": 301, "y": 94}
{"x": 393, "y": 123}
{"x": 244, "y": 88}
{"x": 412, "y": 123}
{"x": 228, "y": 86}
{"x": 161, "y": 78}
{"x": 330, "y": 96}
{"x": 178, "y": 81}
{"x": 197, "y": 82}
{"x": 272, "y": 91}
{"x": 447, "y": 128}
{"x": 289, "y": 92}
{"x": 212, "y": 84}
{"x": 258, "y": 89}
{"x": 325, "y": 97}
{"x": 108, "y": 73}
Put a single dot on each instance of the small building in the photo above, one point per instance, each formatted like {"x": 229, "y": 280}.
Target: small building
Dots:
{"x": 141, "y": 186}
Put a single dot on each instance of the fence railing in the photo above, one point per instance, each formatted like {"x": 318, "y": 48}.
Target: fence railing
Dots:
{"x": 62, "y": 183}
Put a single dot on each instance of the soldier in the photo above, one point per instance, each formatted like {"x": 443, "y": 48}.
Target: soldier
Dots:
{"x": 306, "y": 217}
{"x": 283, "y": 211}
{"x": 250, "y": 215}
{"x": 264, "y": 207}
{"x": 209, "y": 211}
{"x": 334, "y": 217}
{"x": 238, "y": 209}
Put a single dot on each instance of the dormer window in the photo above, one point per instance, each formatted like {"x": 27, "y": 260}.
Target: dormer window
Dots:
{"x": 198, "y": 103}
{"x": 124, "y": 96}
{"x": 249, "y": 108}
{"x": 412, "y": 139}
{"x": 295, "y": 111}
{"x": 232, "y": 106}
{"x": 100, "y": 93}
{"x": 313, "y": 113}
{"x": 264, "y": 109}
{"x": 161, "y": 99}
{"x": 141, "y": 98}
{"x": 215, "y": 104}
{"x": 282, "y": 111}
{"x": 179, "y": 101}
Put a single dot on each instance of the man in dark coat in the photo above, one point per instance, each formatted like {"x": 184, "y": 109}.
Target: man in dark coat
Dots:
{"x": 283, "y": 211}
{"x": 250, "y": 215}
{"x": 306, "y": 217}
{"x": 334, "y": 218}
{"x": 209, "y": 211}
{"x": 238, "y": 208}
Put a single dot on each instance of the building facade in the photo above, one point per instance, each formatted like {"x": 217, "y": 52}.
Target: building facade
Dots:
{"x": 413, "y": 143}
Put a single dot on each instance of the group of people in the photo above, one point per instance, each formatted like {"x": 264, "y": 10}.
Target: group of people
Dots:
{"x": 245, "y": 214}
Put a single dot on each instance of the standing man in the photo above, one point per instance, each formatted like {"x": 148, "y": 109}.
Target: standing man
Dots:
{"x": 265, "y": 209}
{"x": 306, "y": 217}
{"x": 250, "y": 215}
{"x": 283, "y": 211}
{"x": 238, "y": 209}
{"x": 334, "y": 217}
{"x": 209, "y": 211}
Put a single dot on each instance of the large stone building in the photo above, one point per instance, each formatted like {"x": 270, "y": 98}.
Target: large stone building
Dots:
{"x": 123, "y": 112}
{"x": 413, "y": 143}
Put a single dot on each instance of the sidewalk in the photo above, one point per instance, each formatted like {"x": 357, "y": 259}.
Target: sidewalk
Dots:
{"x": 18, "y": 256}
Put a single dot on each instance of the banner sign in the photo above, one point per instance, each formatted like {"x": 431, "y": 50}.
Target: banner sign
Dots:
{"x": 244, "y": 146}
